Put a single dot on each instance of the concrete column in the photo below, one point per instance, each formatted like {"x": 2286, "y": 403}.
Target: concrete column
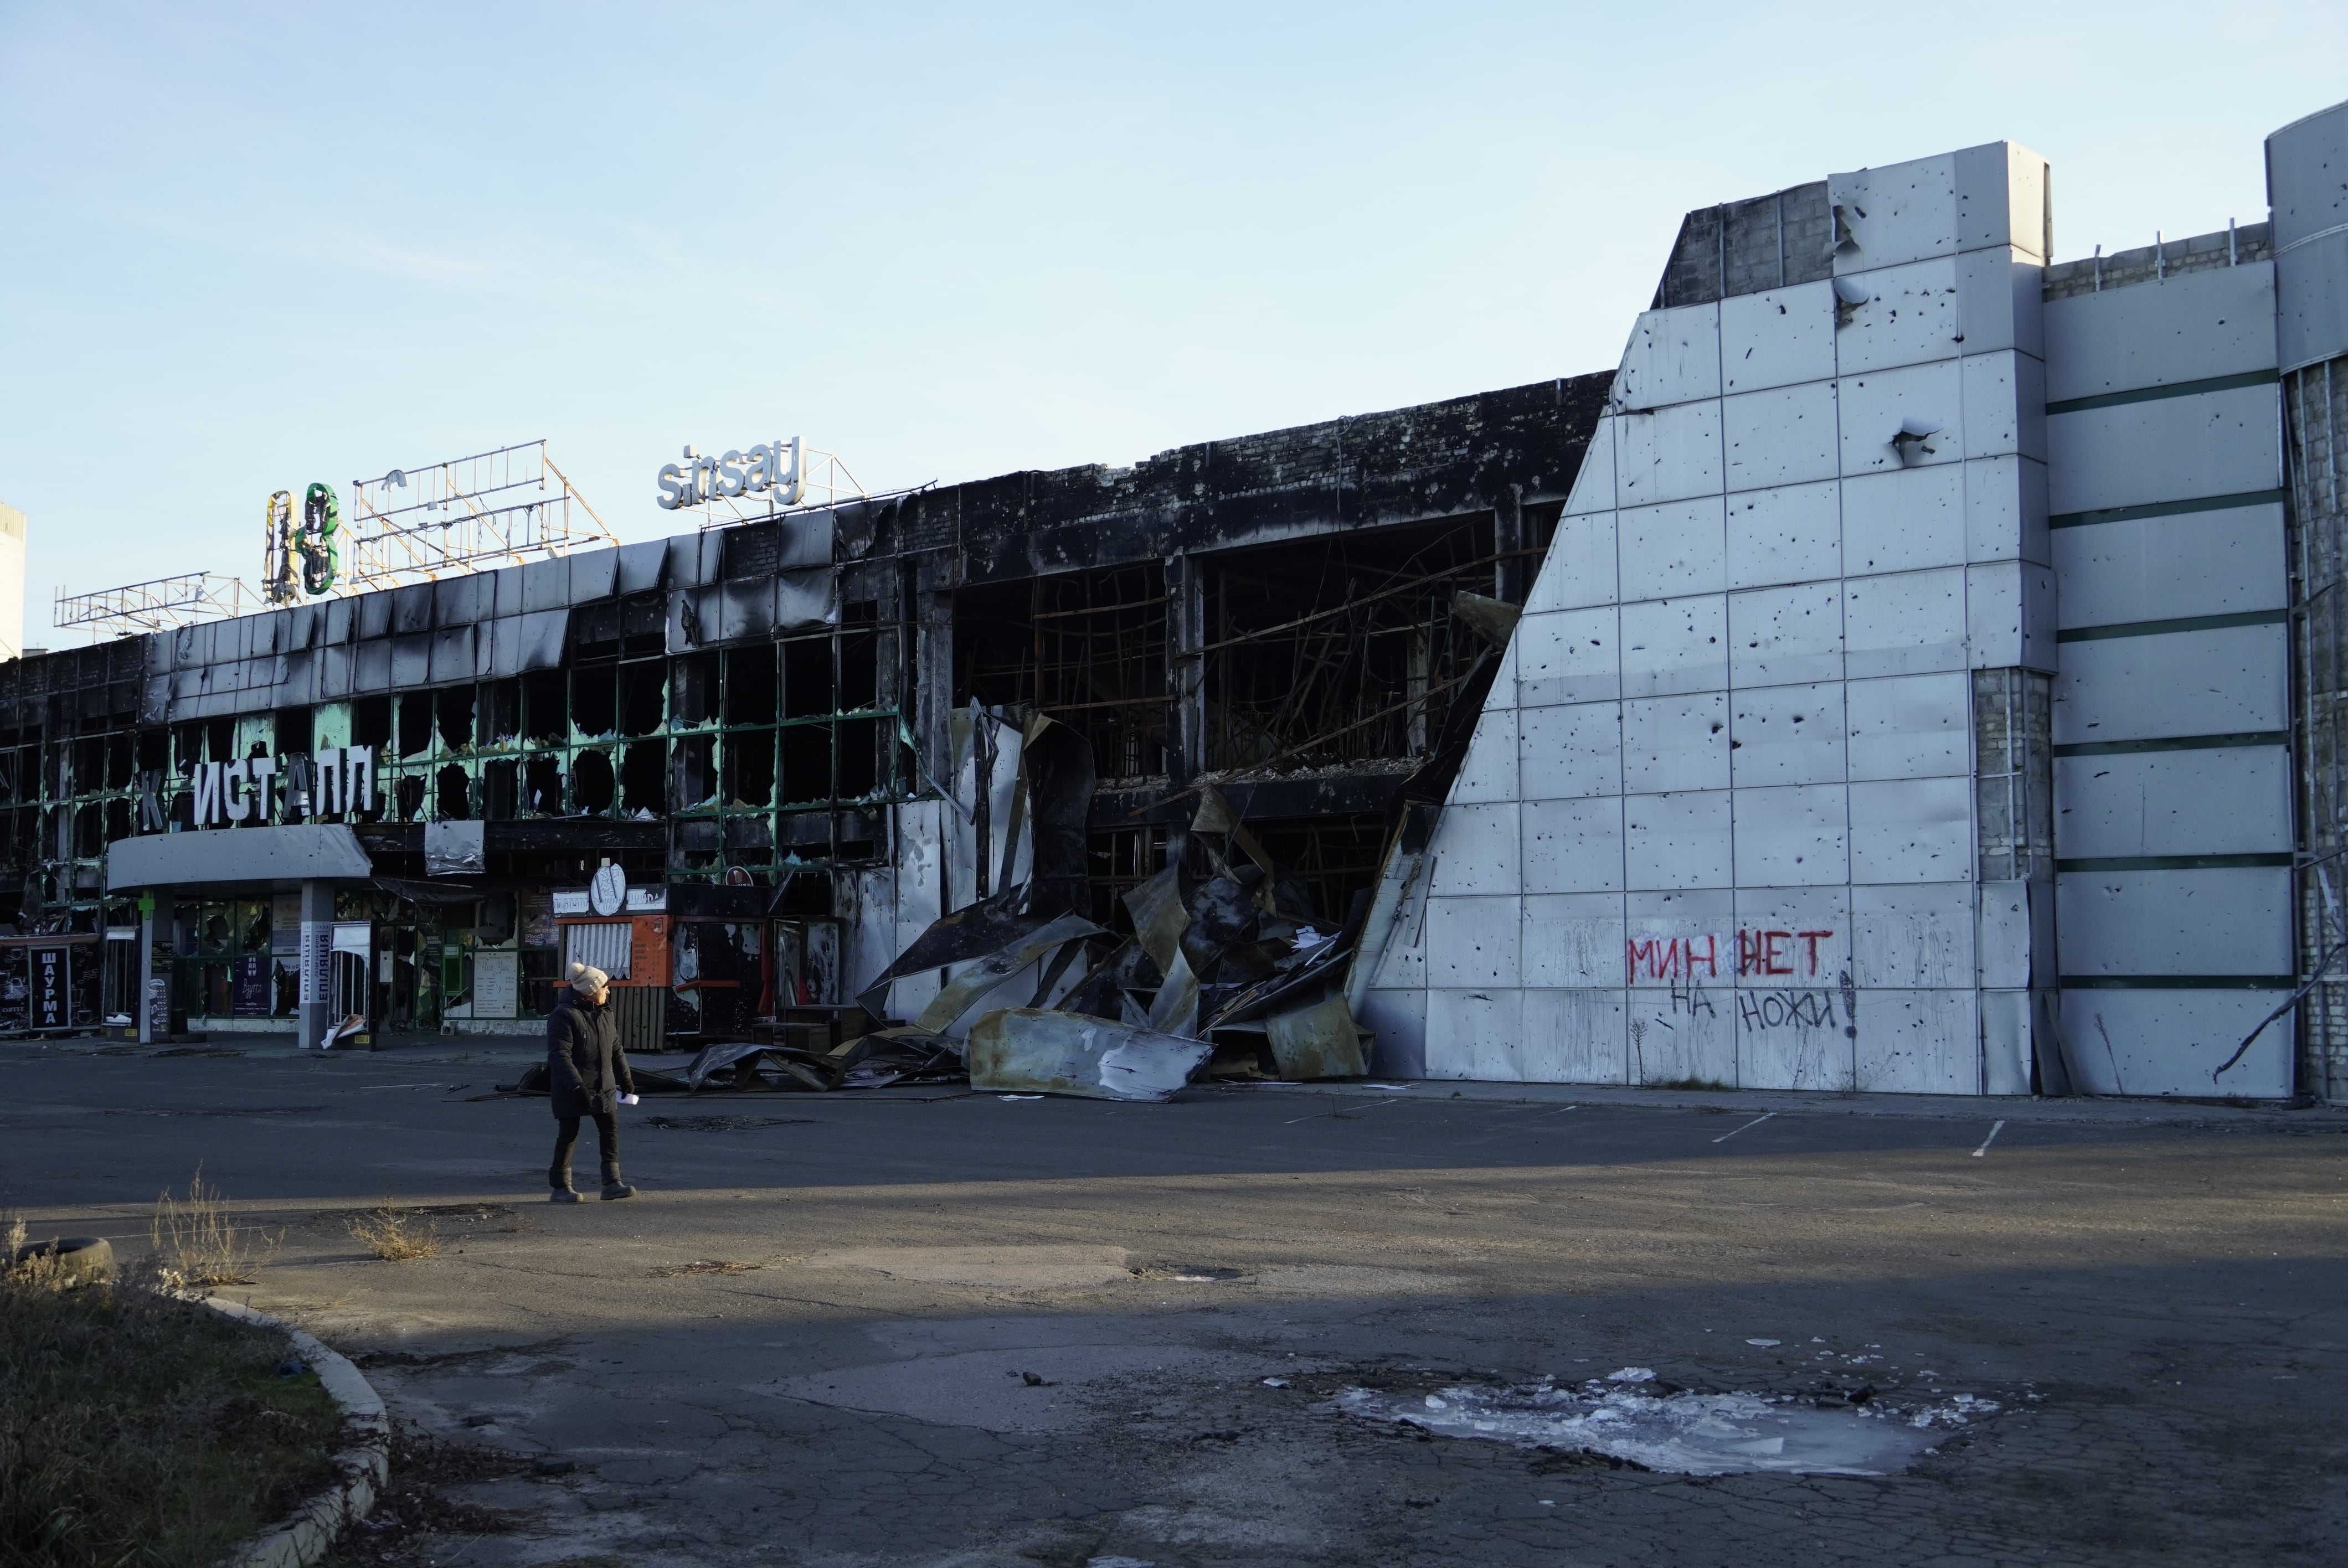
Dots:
{"x": 151, "y": 907}
{"x": 317, "y": 961}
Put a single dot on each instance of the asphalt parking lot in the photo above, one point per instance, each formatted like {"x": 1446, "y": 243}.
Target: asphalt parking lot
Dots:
{"x": 936, "y": 1328}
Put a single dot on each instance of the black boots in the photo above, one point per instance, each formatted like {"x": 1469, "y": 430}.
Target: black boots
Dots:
{"x": 560, "y": 1180}
{"x": 614, "y": 1188}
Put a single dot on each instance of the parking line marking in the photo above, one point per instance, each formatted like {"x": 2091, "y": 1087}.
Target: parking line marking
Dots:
{"x": 1999, "y": 1126}
{"x": 1732, "y": 1131}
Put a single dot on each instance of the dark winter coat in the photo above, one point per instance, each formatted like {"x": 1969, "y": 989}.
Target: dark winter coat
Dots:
{"x": 585, "y": 1066}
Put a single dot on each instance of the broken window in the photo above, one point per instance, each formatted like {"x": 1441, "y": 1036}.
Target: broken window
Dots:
{"x": 220, "y": 741}
{"x": 415, "y": 724}
{"x": 591, "y": 776}
{"x": 454, "y": 705}
{"x": 500, "y": 719}
{"x": 748, "y": 758}
{"x": 644, "y": 697}
{"x": 807, "y": 764}
{"x": 371, "y": 722}
{"x": 454, "y": 801}
{"x": 859, "y": 667}
{"x": 643, "y": 778}
{"x": 594, "y": 690}
{"x": 409, "y": 797}
{"x": 118, "y": 760}
{"x": 544, "y": 782}
{"x": 807, "y": 677}
{"x": 859, "y": 759}
{"x": 750, "y": 684}
{"x": 295, "y": 732}
{"x": 544, "y": 720}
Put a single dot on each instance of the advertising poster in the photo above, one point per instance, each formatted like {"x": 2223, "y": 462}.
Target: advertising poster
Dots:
{"x": 254, "y": 984}
{"x": 52, "y": 988}
{"x": 537, "y": 914}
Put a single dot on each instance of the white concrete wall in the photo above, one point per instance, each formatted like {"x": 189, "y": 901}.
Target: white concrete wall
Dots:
{"x": 2172, "y": 707}
{"x": 1717, "y": 820}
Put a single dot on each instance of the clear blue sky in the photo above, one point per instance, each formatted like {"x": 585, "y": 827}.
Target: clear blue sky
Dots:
{"x": 244, "y": 247}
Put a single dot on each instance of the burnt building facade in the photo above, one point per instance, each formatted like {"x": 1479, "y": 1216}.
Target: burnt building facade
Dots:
{"x": 740, "y": 768}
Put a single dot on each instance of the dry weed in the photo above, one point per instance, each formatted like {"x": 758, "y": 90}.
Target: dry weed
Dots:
{"x": 198, "y": 1243}
{"x": 396, "y": 1236}
{"x": 38, "y": 1272}
{"x": 703, "y": 1265}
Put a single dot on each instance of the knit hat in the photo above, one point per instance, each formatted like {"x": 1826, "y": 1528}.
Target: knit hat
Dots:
{"x": 587, "y": 979}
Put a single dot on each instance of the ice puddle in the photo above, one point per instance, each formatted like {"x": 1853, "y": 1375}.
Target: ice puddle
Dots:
{"x": 1682, "y": 1433}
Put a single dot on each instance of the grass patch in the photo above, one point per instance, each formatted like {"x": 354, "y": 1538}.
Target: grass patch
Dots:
{"x": 140, "y": 1429}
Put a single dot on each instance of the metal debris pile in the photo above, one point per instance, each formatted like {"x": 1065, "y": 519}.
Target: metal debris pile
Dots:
{"x": 871, "y": 1061}
{"x": 1233, "y": 974}
{"x": 1237, "y": 970}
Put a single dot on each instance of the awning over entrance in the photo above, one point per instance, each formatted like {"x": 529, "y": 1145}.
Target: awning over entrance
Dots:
{"x": 283, "y": 858}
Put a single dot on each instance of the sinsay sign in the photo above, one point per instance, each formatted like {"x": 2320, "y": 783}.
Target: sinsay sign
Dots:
{"x": 771, "y": 468}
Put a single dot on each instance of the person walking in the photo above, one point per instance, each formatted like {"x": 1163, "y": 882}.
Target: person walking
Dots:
{"x": 587, "y": 1077}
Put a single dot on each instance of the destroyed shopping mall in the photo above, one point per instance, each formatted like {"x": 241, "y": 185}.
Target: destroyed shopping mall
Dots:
{"x": 1916, "y": 667}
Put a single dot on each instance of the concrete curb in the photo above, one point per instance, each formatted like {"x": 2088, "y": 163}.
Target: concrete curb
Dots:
{"x": 318, "y": 1523}
{"x": 2145, "y": 1112}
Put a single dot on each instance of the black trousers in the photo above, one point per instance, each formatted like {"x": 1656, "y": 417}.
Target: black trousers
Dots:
{"x": 566, "y": 1138}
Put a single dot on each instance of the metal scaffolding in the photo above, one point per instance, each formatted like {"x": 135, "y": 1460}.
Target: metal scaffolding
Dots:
{"x": 154, "y": 605}
{"x": 467, "y": 514}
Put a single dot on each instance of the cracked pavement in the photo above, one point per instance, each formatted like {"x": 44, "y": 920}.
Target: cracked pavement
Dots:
{"x": 961, "y": 1331}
